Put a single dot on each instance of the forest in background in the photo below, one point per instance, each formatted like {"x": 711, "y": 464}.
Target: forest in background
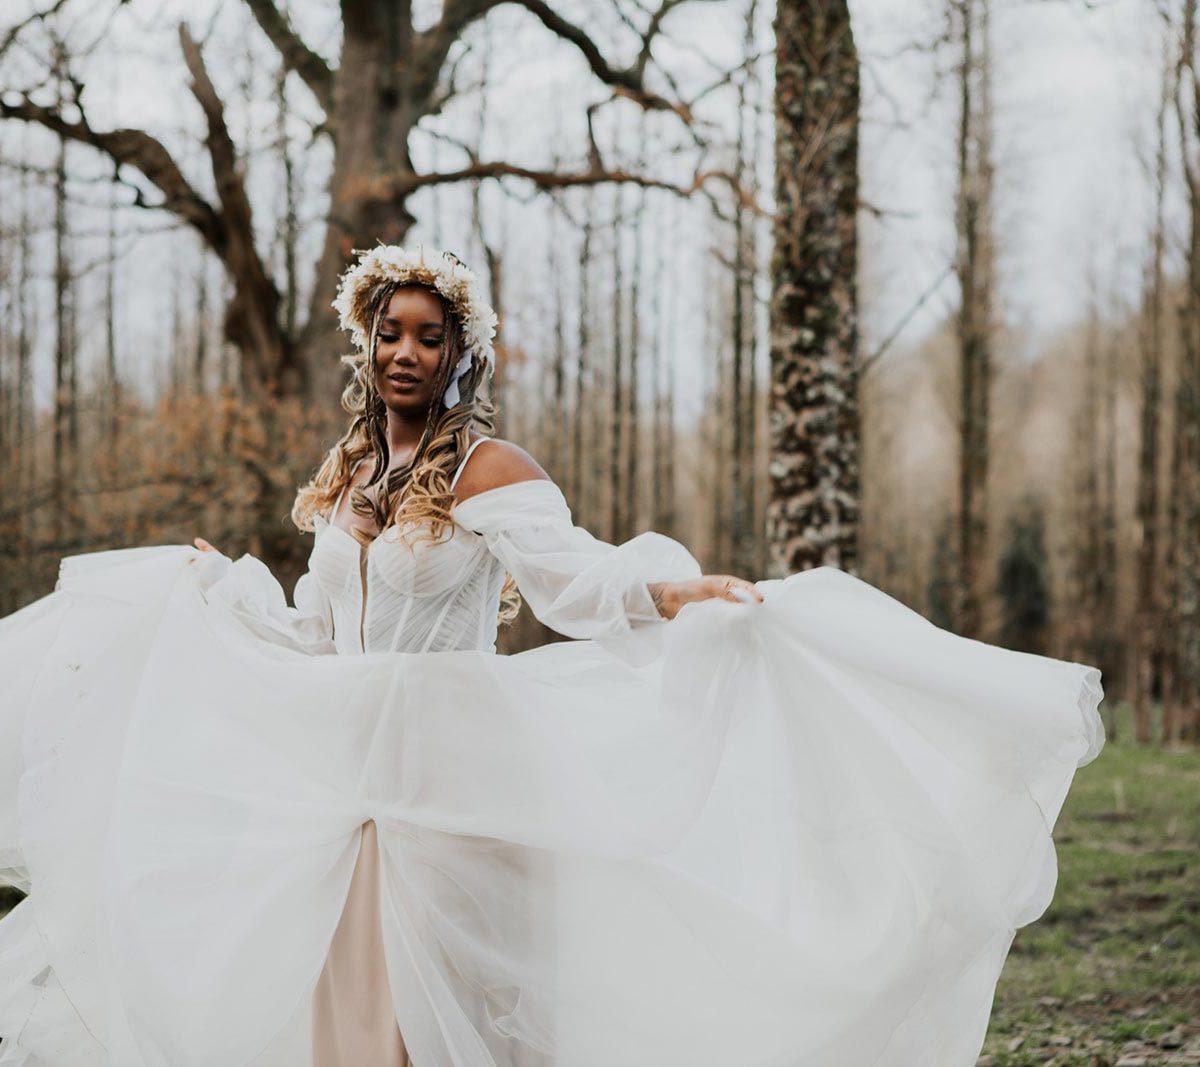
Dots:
{"x": 681, "y": 241}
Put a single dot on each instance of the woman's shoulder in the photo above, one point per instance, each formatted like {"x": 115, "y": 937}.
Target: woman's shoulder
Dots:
{"x": 495, "y": 462}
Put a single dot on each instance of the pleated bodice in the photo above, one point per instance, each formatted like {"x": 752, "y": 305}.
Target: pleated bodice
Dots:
{"x": 420, "y": 595}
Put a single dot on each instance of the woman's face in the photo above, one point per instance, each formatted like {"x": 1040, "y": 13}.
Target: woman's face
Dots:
{"x": 410, "y": 345}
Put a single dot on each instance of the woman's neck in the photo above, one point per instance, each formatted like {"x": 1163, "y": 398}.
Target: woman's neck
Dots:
{"x": 403, "y": 436}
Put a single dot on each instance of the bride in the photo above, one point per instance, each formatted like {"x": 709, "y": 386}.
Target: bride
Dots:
{"x": 776, "y": 824}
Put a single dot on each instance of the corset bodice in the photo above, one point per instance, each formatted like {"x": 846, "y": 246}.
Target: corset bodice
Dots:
{"x": 421, "y": 595}
{"x": 404, "y": 593}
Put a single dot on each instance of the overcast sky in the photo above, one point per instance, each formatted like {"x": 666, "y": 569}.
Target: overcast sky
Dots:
{"x": 1076, "y": 87}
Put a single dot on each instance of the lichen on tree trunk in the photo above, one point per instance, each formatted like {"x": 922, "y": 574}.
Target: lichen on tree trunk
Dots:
{"x": 813, "y": 505}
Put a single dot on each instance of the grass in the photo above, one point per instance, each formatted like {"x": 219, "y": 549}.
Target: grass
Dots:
{"x": 1110, "y": 974}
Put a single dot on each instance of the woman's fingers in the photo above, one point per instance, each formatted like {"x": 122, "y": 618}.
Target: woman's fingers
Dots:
{"x": 203, "y": 545}
{"x": 738, "y": 590}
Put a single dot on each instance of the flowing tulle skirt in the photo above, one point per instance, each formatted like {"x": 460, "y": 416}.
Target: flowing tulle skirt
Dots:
{"x": 795, "y": 834}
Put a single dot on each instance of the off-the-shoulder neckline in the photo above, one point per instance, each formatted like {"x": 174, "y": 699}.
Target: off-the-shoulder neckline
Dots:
{"x": 501, "y": 490}
{"x": 456, "y": 508}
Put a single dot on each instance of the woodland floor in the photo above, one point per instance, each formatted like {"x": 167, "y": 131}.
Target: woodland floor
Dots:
{"x": 1109, "y": 976}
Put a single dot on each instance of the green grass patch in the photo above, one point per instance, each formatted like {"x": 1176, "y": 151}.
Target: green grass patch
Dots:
{"x": 1111, "y": 971}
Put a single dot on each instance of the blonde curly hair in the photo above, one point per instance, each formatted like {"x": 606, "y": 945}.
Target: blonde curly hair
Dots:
{"x": 416, "y": 497}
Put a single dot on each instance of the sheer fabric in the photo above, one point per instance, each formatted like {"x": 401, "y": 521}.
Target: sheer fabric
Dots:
{"x": 792, "y": 834}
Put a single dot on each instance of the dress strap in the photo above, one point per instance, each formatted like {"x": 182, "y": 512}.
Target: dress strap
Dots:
{"x": 470, "y": 448}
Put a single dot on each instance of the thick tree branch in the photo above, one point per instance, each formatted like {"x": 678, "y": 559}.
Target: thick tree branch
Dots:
{"x": 223, "y": 154}
{"x": 136, "y": 149}
{"x": 252, "y": 314}
{"x": 296, "y": 55}
{"x": 547, "y": 179}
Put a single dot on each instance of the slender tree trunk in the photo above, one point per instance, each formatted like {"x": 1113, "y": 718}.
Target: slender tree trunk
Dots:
{"x": 974, "y": 268}
{"x": 757, "y": 409}
{"x": 637, "y": 283}
{"x": 1147, "y": 629}
{"x": 290, "y": 229}
{"x": 583, "y": 366}
{"x": 1110, "y": 636}
{"x": 62, "y": 340}
{"x": 658, "y": 336}
{"x": 1186, "y": 481}
{"x": 812, "y": 514}
{"x": 200, "y": 350}
{"x": 112, "y": 372}
{"x": 670, "y": 467}
{"x": 1088, "y": 586}
{"x": 556, "y": 442}
{"x": 716, "y": 423}
{"x": 744, "y": 533}
{"x": 26, "y": 420}
{"x": 616, "y": 520}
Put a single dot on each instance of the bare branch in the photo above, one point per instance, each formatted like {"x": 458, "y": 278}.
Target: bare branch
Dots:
{"x": 136, "y": 149}
{"x": 870, "y": 360}
{"x": 230, "y": 188}
{"x": 652, "y": 30}
{"x": 37, "y": 16}
{"x": 252, "y": 315}
{"x": 296, "y": 55}
{"x": 388, "y": 188}
{"x": 628, "y": 82}
{"x": 434, "y": 45}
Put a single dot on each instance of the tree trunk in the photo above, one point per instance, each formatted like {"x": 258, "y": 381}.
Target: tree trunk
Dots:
{"x": 974, "y": 268}
{"x": 1186, "y": 487}
{"x": 1147, "y": 629}
{"x": 812, "y": 514}
{"x": 616, "y": 520}
{"x": 374, "y": 111}
{"x": 62, "y": 340}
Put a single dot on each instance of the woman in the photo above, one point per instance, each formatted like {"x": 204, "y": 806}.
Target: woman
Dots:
{"x": 800, "y": 828}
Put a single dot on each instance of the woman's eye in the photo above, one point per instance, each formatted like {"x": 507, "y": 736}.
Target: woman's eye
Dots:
{"x": 432, "y": 342}
{"x": 388, "y": 337}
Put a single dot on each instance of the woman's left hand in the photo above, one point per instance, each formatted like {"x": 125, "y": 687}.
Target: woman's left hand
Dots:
{"x": 670, "y": 597}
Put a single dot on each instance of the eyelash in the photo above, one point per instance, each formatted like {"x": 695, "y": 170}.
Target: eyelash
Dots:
{"x": 431, "y": 342}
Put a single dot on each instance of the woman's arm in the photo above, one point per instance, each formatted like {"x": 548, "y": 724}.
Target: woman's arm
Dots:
{"x": 575, "y": 583}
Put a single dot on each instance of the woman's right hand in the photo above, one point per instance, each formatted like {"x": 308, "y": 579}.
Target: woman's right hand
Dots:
{"x": 669, "y": 597}
{"x": 203, "y": 545}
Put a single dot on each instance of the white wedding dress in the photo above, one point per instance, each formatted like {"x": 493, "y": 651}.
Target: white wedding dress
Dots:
{"x": 793, "y": 834}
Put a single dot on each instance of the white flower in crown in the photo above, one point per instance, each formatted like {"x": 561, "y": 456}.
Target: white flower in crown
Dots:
{"x": 442, "y": 270}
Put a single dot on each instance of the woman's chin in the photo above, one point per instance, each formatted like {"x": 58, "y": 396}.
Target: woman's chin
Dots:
{"x": 407, "y": 405}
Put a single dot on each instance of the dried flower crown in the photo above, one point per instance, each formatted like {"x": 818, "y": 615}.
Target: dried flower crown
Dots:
{"x": 444, "y": 271}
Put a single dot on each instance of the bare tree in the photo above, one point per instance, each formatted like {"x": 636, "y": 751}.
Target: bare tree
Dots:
{"x": 812, "y": 514}
{"x": 391, "y": 77}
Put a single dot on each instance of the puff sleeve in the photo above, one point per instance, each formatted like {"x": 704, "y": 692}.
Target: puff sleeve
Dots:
{"x": 575, "y": 583}
{"x": 248, "y": 589}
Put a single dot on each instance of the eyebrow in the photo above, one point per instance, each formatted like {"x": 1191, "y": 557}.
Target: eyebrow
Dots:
{"x": 423, "y": 326}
